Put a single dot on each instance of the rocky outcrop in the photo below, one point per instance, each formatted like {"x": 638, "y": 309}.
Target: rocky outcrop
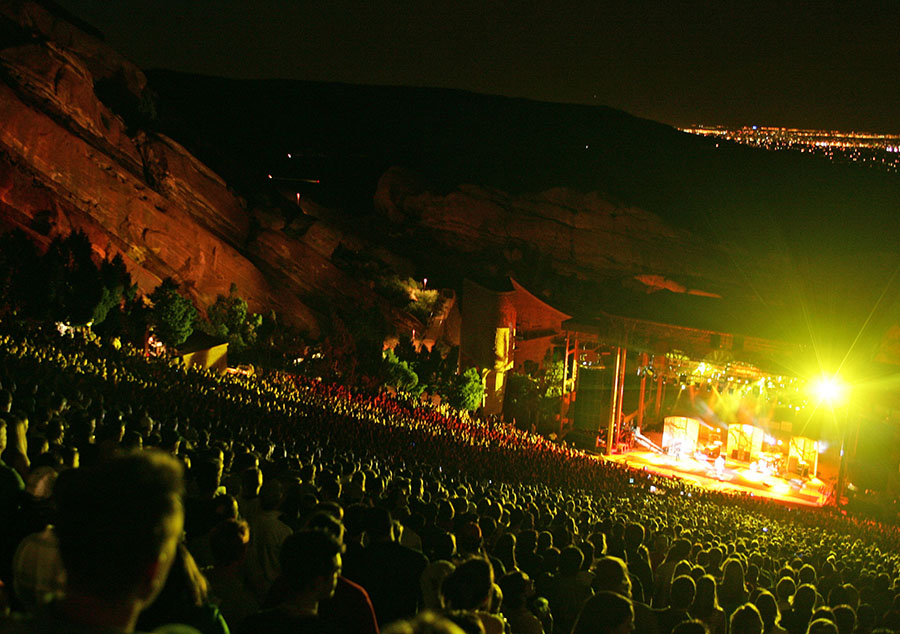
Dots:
{"x": 67, "y": 161}
{"x": 581, "y": 233}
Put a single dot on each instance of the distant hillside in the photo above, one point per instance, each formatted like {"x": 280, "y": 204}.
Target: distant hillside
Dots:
{"x": 349, "y": 135}
{"x": 574, "y": 200}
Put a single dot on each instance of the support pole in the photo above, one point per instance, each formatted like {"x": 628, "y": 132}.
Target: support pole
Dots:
{"x": 839, "y": 487}
{"x": 562, "y": 391}
{"x": 640, "y": 413}
{"x": 660, "y": 371}
{"x": 613, "y": 402}
{"x": 620, "y": 398}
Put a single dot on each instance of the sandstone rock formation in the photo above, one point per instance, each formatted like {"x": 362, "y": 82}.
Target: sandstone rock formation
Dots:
{"x": 67, "y": 161}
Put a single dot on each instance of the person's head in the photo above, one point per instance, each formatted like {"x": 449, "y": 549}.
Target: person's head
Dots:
{"x": 746, "y": 620}
{"x": 768, "y": 608}
{"x": 634, "y": 536}
{"x": 208, "y": 475}
{"x": 271, "y": 495}
{"x": 605, "y": 613}
{"x": 379, "y": 525}
{"x": 733, "y": 574}
{"x": 311, "y": 563}
{"x": 570, "y": 560}
{"x": 682, "y": 592}
{"x": 804, "y": 599}
{"x": 838, "y": 596}
{"x": 517, "y": 588}
{"x": 844, "y": 618}
{"x": 705, "y": 600}
{"x": 821, "y": 626}
{"x": 251, "y": 482}
{"x": 118, "y": 526}
{"x": 785, "y": 588}
{"x": 807, "y": 574}
{"x": 680, "y": 549}
{"x": 611, "y": 575}
{"x": 469, "y": 586}
{"x": 229, "y": 541}
{"x": 866, "y": 617}
{"x": 324, "y": 521}
{"x": 691, "y": 626}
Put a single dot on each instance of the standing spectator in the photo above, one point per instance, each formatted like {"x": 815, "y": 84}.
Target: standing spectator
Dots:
{"x": 387, "y": 570}
{"x": 267, "y": 533}
{"x": 228, "y": 587}
{"x": 797, "y": 618}
{"x": 517, "y": 589}
{"x": 768, "y": 609}
{"x": 678, "y": 552}
{"x": 681, "y": 597}
{"x": 605, "y": 613}
{"x": 638, "y": 559}
{"x": 706, "y": 606}
{"x": 310, "y": 564}
{"x": 746, "y": 620}
{"x": 611, "y": 575}
{"x": 732, "y": 590}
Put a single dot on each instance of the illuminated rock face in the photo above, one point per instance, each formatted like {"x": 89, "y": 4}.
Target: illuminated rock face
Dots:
{"x": 68, "y": 162}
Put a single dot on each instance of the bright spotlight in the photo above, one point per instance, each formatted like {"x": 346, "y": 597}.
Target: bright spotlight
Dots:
{"x": 829, "y": 389}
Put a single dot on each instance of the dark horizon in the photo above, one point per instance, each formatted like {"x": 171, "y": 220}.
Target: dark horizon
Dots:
{"x": 817, "y": 67}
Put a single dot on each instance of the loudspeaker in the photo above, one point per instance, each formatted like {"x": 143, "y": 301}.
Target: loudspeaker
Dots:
{"x": 592, "y": 399}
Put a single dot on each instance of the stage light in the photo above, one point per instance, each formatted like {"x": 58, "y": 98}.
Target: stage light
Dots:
{"x": 829, "y": 389}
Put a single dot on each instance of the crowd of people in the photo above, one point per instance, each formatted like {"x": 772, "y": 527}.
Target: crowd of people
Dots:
{"x": 136, "y": 495}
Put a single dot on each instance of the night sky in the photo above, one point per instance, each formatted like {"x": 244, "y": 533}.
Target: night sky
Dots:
{"x": 816, "y": 64}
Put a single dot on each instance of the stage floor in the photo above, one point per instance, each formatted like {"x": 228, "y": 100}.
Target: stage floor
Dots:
{"x": 736, "y": 477}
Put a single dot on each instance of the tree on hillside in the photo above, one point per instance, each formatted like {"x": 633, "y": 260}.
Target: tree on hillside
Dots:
{"x": 115, "y": 286}
{"x": 467, "y": 390}
{"x": 230, "y": 318}
{"x": 70, "y": 279}
{"x": 18, "y": 265}
{"x": 172, "y": 315}
{"x": 367, "y": 330}
{"x": 398, "y": 374}
{"x": 64, "y": 284}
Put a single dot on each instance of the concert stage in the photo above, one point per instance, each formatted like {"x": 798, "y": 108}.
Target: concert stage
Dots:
{"x": 733, "y": 477}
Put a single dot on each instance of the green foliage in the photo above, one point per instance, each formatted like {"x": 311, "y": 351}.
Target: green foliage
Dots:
{"x": 230, "y": 318}
{"x": 423, "y": 304}
{"x": 398, "y": 374}
{"x": 276, "y": 344}
{"x": 128, "y": 320}
{"x": 64, "y": 284}
{"x": 71, "y": 281}
{"x": 534, "y": 396}
{"x": 115, "y": 285}
{"x": 408, "y": 294}
{"x": 551, "y": 380}
{"x": 172, "y": 316}
{"x": 467, "y": 390}
{"x": 393, "y": 289}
